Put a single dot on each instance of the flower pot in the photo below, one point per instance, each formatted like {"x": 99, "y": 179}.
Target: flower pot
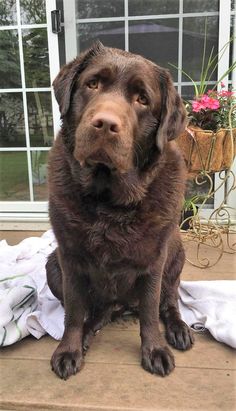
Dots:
{"x": 207, "y": 151}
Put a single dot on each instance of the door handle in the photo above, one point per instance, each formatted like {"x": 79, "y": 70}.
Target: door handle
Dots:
{"x": 56, "y": 21}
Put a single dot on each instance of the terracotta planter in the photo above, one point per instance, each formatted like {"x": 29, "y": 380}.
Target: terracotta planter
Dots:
{"x": 207, "y": 151}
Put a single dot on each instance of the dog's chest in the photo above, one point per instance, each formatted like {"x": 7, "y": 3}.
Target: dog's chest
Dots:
{"x": 130, "y": 242}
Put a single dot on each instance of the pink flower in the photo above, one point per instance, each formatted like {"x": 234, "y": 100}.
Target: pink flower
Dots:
{"x": 197, "y": 106}
{"x": 205, "y": 99}
{"x": 213, "y": 104}
{"x": 222, "y": 84}
{"x": 225, "y": 93}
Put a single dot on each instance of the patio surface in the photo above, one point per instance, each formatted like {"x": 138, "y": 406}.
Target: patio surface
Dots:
{"x": 112, "y": 379}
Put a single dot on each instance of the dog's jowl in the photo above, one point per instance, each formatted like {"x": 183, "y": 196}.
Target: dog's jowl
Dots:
{"x": 116, "y": 184}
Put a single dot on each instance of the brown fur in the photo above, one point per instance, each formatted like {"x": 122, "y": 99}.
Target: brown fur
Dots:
{"x": 116, "y": 183}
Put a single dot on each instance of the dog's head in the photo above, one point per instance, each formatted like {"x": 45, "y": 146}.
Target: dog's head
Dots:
{"x": 119, "y": 110}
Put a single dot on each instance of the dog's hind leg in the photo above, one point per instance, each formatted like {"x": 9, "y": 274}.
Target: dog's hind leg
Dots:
{"x": 178, "y": 333}
{"x": 54, "y": 276}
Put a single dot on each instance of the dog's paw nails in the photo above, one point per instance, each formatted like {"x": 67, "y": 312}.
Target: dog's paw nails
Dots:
{"x": 67, "y": 363}
{"x": 180, "y": 335}
{"x": 158, "y": 361}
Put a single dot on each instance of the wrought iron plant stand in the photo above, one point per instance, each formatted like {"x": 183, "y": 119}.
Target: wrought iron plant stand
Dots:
{"x": 207, "y": 152}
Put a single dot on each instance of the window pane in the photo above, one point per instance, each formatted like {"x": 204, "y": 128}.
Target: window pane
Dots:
{"x": 8, "y": 12}
{"x": 12, "y": 125}
{"x": 14, "y": 176}
{"x": 201, "y": 190}
{"x": 87, "y": 9}
{"x": 193, "y": 6}
{"x": 193, "y": 44}
{"x": 145, "y": 7}
{"x": 32, "y": 11}
{"x": 9, "y": 59}
{"x": 146, "y": 38}
{"x": 110, "y": 34}
{"x": 40, "y": 118}
{"x": 39, "y": 169}
{"x": 35, "y": 45}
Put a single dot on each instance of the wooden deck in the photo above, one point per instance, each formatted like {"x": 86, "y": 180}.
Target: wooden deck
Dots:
{"x": 112, "y": 379}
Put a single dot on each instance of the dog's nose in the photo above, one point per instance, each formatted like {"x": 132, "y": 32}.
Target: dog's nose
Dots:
{"x": 106, "y": 122}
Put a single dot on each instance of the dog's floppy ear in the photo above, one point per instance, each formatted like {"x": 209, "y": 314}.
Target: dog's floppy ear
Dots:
{"x": 173, "y": 113}
{"x": 65, "y": 80}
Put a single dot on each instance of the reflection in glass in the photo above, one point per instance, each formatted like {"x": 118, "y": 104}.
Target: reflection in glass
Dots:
{"x": 9, "y": 59}
{"x": 193, "y": 44}
{"x": 39, "y": 169}
{"x": 14, "y": 176}
{"x": 8, "y": 14}
{"x": 12, "y": 126}
{"x": 148, "y": 37}
{"x": 110, "y": 34}
{"x": 33, "y": 11}
{"x": 193, "y": 6}
{"x": 200, "y": 190}
{"x": 87, "y": 9}
{"x": 36, "y": 60}
{"x": 146, "y": 7}
{"x": 40, "y": 118}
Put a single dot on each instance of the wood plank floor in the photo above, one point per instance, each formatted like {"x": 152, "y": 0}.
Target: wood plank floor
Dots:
{"x": 112, "y": 379}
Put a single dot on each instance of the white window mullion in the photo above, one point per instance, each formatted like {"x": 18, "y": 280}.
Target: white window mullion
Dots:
{"x": 223, "y": 64}
{"x": 21, "y": 54}
{"x": 126, "y": 5}
{"x": 70, "y": 26}
{"x": 180, "y": 46}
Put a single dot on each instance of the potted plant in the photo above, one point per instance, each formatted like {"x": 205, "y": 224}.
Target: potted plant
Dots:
{"x": 209, "y": 142}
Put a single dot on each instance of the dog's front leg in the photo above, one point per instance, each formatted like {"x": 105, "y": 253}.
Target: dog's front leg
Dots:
{"x": 67, "y": 358}
{"x": 156, "y": 356}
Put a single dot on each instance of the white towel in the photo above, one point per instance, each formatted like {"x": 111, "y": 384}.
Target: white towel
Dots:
{"x": 210, "y": 305}
{"x": 23, "y": 290}
{"x": 27, "y": 305}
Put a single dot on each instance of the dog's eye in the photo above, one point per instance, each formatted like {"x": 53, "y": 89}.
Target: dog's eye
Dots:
{"x": 93, "y": 84}
{"x": 142, "y": 99}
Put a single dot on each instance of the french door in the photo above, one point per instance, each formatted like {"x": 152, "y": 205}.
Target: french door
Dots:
{"x": 46, "y": 34}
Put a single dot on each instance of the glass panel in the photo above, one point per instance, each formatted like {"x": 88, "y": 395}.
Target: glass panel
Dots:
{"x": 39, "y": 169}
{"x": 12, "y": 126}
{"x": 36, "y": 60}
{"x": 14, "y": 176}
{"x": 87, "y": 9}
{"x": 33, "y": 11}
{"x": 40, "y": 118}
{"x": 110, "y": 34}
{"x": 194, "y": 189}
{"x": 146, "y": 7}
{"x": 193, "y": 44}
{"x": 193, "y": 6}
{"x": 8, "y": 12}
{"x": 146, "y": 35}
{"x": 9, "y": 59}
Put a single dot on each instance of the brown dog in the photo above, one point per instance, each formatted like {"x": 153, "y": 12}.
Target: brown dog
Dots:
{"x": 116, "y": 186}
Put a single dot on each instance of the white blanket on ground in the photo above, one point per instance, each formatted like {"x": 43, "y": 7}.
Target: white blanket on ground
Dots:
{"x": 27, "y": 305}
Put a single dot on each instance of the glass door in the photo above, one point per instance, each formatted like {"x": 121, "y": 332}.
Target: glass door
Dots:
{"x": 26, "y": 113}
{"x": 164, "y": 31}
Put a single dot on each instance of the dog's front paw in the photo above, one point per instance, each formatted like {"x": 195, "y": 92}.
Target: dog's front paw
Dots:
{"x": 158, "y": 360}
{"x": 67, "y": 363}
{"x": 180, "y": 335}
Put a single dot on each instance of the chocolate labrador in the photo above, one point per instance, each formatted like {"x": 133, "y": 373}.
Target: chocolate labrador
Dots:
{"x": 116, "y": 185}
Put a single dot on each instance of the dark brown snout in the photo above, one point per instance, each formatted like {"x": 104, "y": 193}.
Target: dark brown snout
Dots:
{"x": 106, "y": 122}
